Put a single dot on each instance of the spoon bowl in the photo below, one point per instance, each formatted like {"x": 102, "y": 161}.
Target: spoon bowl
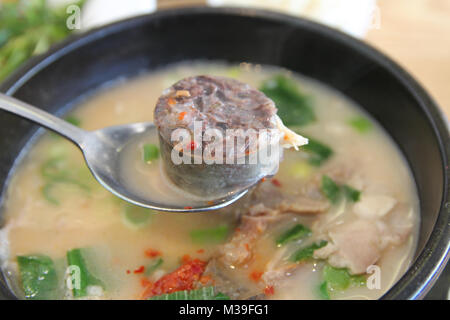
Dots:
{"x": 102, "y": 151}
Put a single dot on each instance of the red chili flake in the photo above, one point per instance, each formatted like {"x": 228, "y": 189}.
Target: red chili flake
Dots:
{"x": 145, "y": 282}
{"x": 152, "y": 253}
{"x": 256, "y": 275}
{"x": 188, "y": 208}
{"x": 141, "y": 269}
{"x": 186, "y": 258}
{"x": 171, "y": 101}
{"x": 205, "y": 279}
{"x": 193, "y": 145}
{"x": 183, "y": 278}
{"x": 128, "y": 271}
{"x": 247, "y": 246}
{"x": 276, "y": 182}
{"x": 181, "y": 115}
{"x": 269, "y": 290}
{"x": 200, "y": 251}
{"x": 263, "y": 179}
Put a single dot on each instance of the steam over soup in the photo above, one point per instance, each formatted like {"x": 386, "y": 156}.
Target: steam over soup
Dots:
{"x": 338, "y": 221}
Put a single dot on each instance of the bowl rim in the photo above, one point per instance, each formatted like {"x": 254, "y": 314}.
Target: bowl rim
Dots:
{"x": 435, "y": 255}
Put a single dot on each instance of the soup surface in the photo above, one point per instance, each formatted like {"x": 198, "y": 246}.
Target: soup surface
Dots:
{"x": 338, "y": 221}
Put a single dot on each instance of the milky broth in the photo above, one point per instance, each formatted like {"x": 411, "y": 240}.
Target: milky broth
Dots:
{"x": 91, "y": 217}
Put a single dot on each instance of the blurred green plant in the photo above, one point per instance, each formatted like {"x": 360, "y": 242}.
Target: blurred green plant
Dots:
{"x": 27, "y": 28}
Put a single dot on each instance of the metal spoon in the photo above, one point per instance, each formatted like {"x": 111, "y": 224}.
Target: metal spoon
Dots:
{"x": 101, "y": 150}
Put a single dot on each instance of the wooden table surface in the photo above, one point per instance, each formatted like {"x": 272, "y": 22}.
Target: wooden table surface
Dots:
{"x": 416, "y": 34}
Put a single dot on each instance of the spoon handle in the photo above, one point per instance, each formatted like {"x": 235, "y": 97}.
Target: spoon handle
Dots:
{"x": 42, "y": 118}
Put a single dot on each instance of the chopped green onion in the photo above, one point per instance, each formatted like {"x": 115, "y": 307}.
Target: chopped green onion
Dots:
{"x": 74, "y": 120}
{"x": 330, "y": 189}
{"x": 38, "y": 277}
{"x": 339, "y": 279}
{"x": 151, "y": 152}
{"x": 47, "y": 193}
{"x": 55, "y": 171}
{"x": 135, "y": 216}
{"x": 294, "y": 108}
{"x": 323, "y": 291}
{"x": 213, "y": 235}
{"x": 296, "y": 232}
{"x": 360, "y": 124}
{"x": 28, "y": 28}
{"x": 85, "y": 278}
{"x": 300, "y": 170}
{"x": 205, "y": 293}
{"x": 307, "y": 252}
{"x": 153, "y": 267}
{"x": 351, "y": 193}
{"x": 317, "y": 151}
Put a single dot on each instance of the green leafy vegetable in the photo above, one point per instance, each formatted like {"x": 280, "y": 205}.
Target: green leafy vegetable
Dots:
{"x": 153, "y": 267}
{"x": 38, "y": 277}
{"x": 330, "y": 189}
{"x": 333, "y": 191}
{"x": 339, "y": 279}
{"x": 351, "y": 193}
{"x": 317, "y": 151}
{"x": 213, "y": 235}
{"x": 298, "y": 231}
{"x": 83, "y": 279}
{"x": 151, "y": 152}
{"x": 307, "y": 252}
{"x": 55, "y": 171}
{"x": 27, "y": 28}
{"x": 323, "y": 291}
{"x": 360, "y": 124}
{"x": 205, "y": 293}
{"x": 294, "y": 108}
{"x": 135, "y": 216}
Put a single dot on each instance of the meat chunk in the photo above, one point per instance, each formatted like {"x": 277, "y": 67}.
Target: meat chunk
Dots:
{"x": 374, "y": 206}
{"x": 354, "y": 245}
{"x": 238, "y": 250}
{"x": 359, "y": 243}
{"x": 268, "y": 199}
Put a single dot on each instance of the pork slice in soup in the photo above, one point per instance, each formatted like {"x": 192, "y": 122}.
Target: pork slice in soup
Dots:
{"x": 339, "y": 220}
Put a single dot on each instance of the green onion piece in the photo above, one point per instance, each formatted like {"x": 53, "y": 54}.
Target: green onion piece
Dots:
{"x": 55, "y": 171}
{"x": 317, "y": 151}
{"x": 153, "y": 267}
{"x": 76, "y": 261}
{"x": 307, "y": 252}
{"x": 298, "y": 231}
{"x": 221, "y": 296}
{"x": 151, "y": 152}
{"x": 360, "y": 124}
{"x": 135, "y": 216}
{"x": 38, "y": 277}
{"x": 28, "y": 28}
{"x": 213, "y": 235}
{"x": 294, "y": 108}
{"x": 74, "y": 120}
{"x": 205, "y": 293}
{"x": 351, "y": 193}
{"x": 323, "y": 291}
{"x": 330, "y": 189}
{"x": 338, "y": 279}
{"x": 47, "y": 193}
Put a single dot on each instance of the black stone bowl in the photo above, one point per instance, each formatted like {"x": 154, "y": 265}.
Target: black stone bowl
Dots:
{"x": 83, "y": 63}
